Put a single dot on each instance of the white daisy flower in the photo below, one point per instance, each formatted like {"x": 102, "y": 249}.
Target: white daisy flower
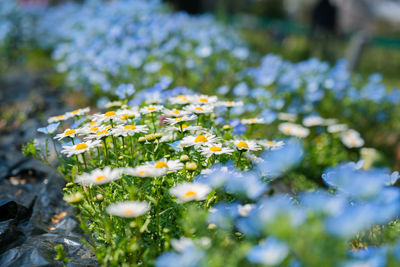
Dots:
{"x": 329, "y": 122}
{"x": 113, "y": 104}
{"x": 215, "y": 149}
{"x": 190, "y": 191}
{"x": 99, "y": 176}
{"x": 125, "y": 114}
{"x": 199, "y": 109}
{"x": 253, "y": 121}
{"x": 271, "y": 144}
{"x": 287, "y": 116}
{"x": 351, "y": 139}
{"x": 201, "y": 139}
{"x": 180, "y": 99}
{"x": 229, "y": 104}
{"x": 173, "y": 121}
{"x": 185, "y": 128}
{"x": 253, "y": 158}
{"x": 169, "y": 165}
{"x": 175, "y": 112}
{"x": 168, "y": 137}
{"x": 58, "y": 118}
{"x": 67, "y": 133}
{"x": 313, "y": 120}
{"x": 246, "y": 145}
{"x": 80, "y": 148}
{"x": 292, "y": 129}
{"x": 125, "y": 130}
{"x": 336, "y": 128}
{"x": 128, "y": 209}
{"x": 79, "y": 112}
{"x": 151, "y": 109}
{"x": 106, "y": 117}
{"x": 100, "y": 133}
{"x": 145, "y": 171}
{"x": 204, "y": 99}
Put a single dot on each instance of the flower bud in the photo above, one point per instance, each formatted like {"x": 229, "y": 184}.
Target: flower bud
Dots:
{"x": 73, "y": 198}
{"x": 184, "y": 158}
{"x": 191, "y": 166}
{"x": 99, "y": 197}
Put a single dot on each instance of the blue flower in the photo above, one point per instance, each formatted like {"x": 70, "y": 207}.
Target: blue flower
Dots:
{"x": 125, "y": 91}
{"x": 190, "y": 257}
{"x": 49, "y": 129}
{"x": 272, "y": 252}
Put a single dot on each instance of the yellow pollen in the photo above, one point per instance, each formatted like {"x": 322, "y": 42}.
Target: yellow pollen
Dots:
{"x": 229, "y": 103}
{"x": 200, "y": 139}
{"x": 92, "y": 123}
{"x": 184, "y": 126}
{"x": 129, "y": 127}
{"x": 94, "y": 129}
{"x": 242, "y": 145}
{"x": 59, "y": 117}
{"x": 69, "y": 132}
{"x": 215, "y": 148}
{"x": 109, "y": 114}
{"x": 180, "y": 96}
{"x": 176, "y": 111}
{"x": 185, "y": 99}
{"x": 75, "y": 111}
{"x": 124, "y": 116}
{"x": 142, "y": 172}
{"x": 252, "y": 120}
{"x": 199, "y": 108}
{"x": 161, "y": 164}
{"x": 81, "y": 146}
{"x": 100, "y": 178}
{"x": 204, "y": 100}
{"x": 270, "y": 143}
{"x": 286, "y": 130}
{"x": 151, "y": 108}
{"x": 190, "y": 193}
{"x": 128, "y": 212}
{"x": 108, "y": 127}
{"x": 178, "y": 119}
{"x": 102, "y": 132}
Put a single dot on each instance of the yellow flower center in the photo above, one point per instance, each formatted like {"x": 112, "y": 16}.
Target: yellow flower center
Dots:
{"x": 151, "y": 108}
{"x": 286, "y": 130}
{"x": 242, "y": 145}
{"x": 180, "y": 96}
{"x": 69, "y": 132}
{"x": 161, "y": 164}
{"x": 200, "y": 139}
{"x": 229, "y": 103}
{"x": 100, "y": 178}
{"x": 253, "y": 120}
{"x": 81, "y": 146}
{"x": 184, "y": 126}
{"x": 178, "y": 119}
{"x": 199, "y": 108}
{"x": 175, "y": 111}
{"x": 59, "y": 117}
{"x": 102, "y": 132}
{"x": 108, "y": 127}
{"x": 142, "y": 172}
{"x": 215, "y": 148}
{"x": 124, "y": 116}
{"x": 92, "y": 123}
{"x": 109, "y": 114}
{"x": 185, "y": 99}
{"x": 189, "y": 194}
{"x": 129, "y": 127}
{"x": 75, "y": 111}
{"x": 270, "y": 143}
{"x": 94, "y": 129}
{"x": 128, "y": 211}
{"x": 204, "y": 100}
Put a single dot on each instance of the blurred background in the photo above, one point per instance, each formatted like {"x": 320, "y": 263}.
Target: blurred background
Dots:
{"x": 366, "y": 32}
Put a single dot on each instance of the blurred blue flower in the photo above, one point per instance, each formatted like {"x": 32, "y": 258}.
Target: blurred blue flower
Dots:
{"x": 49, "y": 129}
{"x": 125, "y": 91}
{"x": 271, "y": 253}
